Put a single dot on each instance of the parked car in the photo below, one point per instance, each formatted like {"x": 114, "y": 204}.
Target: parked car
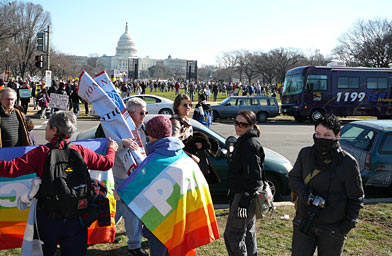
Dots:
{"x": 155, "y": 104}
{"x": 276, "y": 166}
{"x": 370, "y": 142}
{"x": 263, "y": 106}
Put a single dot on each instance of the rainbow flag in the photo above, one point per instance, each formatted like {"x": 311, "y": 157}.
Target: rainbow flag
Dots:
{"x": 171, "y": 197}
{"x": 13, "y": 221}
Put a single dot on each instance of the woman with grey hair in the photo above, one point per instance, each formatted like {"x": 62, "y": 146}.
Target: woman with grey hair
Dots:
{"x": 53, "y": 230}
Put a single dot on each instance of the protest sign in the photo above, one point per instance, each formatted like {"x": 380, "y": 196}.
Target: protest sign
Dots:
{"x": 117, "y": 124}
{"x": 24, "y": 93}
{"x": 59, "y": 101}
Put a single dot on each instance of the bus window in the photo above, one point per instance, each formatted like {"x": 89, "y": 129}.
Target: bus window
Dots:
{"x": 317, "y": 83}
{"x": 377, "y": 83}
{"x": 348, "y": 82}
{"x": 293, "y": 84}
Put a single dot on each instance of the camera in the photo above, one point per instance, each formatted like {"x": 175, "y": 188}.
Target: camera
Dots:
{"x": 315, "y": 204}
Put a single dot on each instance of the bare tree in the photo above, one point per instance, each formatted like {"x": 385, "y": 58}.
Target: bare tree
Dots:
{"x": 228, "y": 61}
{"x": 247, "y": 65}
{"x": 9, "y": 26}
{"x": 369, "y": 43}
{"x": 284, "y": 59}
{"x": 31, "y": 18}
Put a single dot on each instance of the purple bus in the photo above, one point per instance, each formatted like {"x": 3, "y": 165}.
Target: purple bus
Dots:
{"x": 313, "y": 91}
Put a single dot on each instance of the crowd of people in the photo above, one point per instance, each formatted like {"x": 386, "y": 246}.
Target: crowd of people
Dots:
{"x": 323, "y": 171}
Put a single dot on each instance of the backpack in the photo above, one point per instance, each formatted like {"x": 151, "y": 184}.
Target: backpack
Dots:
{"x": 205, "y": 115}
{"x": 66, "y": 183}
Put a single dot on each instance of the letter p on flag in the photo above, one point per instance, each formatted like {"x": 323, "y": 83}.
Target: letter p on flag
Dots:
{"x": 158, "y": 193}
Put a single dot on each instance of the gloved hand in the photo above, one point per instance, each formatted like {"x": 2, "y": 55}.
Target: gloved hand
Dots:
{"x": 243, "y": 205}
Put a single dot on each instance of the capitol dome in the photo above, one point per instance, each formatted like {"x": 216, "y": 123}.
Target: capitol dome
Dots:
{"x": 126, "y": 46}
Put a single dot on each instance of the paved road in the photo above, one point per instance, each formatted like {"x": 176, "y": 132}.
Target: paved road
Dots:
{"x": 286, "y": 138}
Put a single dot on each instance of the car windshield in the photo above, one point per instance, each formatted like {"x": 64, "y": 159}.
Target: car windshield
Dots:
{"x": 226, "y": 100}
{"x": 357, "y": 137}
{"x": 293, "y": 84}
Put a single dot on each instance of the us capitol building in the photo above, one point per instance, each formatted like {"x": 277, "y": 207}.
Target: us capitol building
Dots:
{"x": 126, "y": 58}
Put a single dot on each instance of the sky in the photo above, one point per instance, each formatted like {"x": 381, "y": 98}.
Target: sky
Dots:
{"x": 203, "y": 30}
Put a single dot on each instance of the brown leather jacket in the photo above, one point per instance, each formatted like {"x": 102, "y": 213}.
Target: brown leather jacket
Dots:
{"x": 23, "y": 134}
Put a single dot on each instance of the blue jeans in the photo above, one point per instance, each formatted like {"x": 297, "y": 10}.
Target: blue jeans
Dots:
{"x": 76, "y": 108}
{"x": 133, "y": 225}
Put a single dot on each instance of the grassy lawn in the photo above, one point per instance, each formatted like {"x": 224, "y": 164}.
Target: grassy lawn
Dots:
{"x": 371, "y": 237}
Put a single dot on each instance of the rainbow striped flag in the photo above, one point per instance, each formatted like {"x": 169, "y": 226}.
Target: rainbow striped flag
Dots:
{"x": 13, "y": 221}
{"x": 171, "y": 197}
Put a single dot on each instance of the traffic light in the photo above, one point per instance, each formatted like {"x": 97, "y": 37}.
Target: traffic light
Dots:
{"x": 39, "y": 61}
{"x": 41, "y": 41}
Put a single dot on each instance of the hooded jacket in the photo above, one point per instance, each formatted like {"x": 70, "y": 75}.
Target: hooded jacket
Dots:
{"x": 168, "y": 146}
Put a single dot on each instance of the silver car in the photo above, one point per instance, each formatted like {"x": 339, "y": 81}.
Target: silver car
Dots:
{"x": 263, "y": 106}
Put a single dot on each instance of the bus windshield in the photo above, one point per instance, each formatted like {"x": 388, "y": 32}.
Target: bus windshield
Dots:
{"x": 293, "y": 84}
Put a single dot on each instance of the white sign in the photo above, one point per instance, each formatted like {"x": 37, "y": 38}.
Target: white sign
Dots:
{"x": 48, "y": 78}
{"x": 59, "y": 101}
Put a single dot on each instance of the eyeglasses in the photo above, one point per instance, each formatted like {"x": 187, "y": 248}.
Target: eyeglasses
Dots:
{"x": 187, "y": 105}
{"x": 143, "y": 113}
{"x": 240, "y": 124}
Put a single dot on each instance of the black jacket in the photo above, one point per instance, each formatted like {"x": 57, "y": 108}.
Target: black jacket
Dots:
{"x": 246, "y": 164}
{"x": 340, "y": 184}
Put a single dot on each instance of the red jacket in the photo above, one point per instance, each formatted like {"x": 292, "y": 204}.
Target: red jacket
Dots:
{"x": 34, "y": 160}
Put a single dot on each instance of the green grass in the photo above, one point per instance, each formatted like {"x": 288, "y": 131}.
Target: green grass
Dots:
{"x": 371, "y": 237}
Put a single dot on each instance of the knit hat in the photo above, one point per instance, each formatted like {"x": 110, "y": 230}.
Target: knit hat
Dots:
{"x": 159, "y": 127}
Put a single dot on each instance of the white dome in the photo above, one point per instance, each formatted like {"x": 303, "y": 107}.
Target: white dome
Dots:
{"x": 126, "y": 46}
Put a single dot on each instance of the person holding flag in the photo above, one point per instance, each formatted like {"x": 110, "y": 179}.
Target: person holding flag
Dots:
{"x": 169, "y": 194}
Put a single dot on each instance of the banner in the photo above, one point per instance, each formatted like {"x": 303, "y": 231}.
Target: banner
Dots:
{"x": 115, "y": 120}
{"x": 171, "y": 197}
{"x": 59, "y": 101}
{"x": 13, "y": 221}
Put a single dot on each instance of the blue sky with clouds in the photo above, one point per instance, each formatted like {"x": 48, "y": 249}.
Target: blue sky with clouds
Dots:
{"x": 203, "y": 29}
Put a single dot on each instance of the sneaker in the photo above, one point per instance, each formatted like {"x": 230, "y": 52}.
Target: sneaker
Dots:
{"x": 137, "y": 252}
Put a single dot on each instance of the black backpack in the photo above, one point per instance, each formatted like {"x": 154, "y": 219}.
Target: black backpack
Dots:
{"x": 66, "y": 183}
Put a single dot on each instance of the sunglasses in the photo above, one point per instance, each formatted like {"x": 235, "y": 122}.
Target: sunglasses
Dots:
{"x": 240, "y": 124}
{"x": 187, "y": 105}
{"x": 143, "y": 113}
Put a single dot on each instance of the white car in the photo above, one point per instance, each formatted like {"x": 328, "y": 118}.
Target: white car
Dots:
{"x": 155, "y": 104}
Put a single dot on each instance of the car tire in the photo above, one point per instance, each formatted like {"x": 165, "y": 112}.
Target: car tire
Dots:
{"x": 262, "y": 117}
{"x": 316, "y": 115}
{"x": 275, "y": 185}
{"x": 165, "y": 111}
{"x": 215, "y": 115}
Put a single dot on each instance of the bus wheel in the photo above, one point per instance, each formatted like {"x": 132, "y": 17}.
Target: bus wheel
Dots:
{"x": 300, "y": 119}
{"x": 262, "y": 117}
{"x": 316, "y": 114}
